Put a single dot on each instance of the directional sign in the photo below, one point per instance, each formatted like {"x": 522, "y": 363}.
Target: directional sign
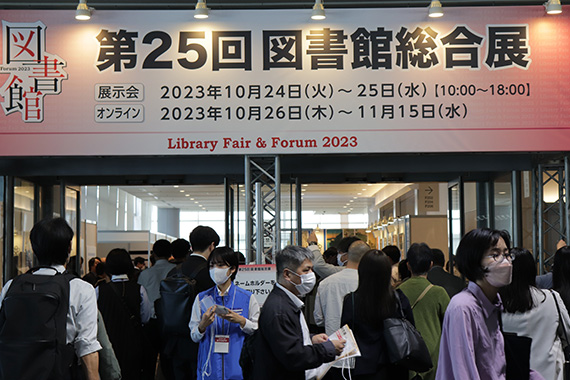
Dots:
{"x": 428, "y": 197}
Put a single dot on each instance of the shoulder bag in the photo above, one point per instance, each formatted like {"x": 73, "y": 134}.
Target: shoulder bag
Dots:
{"x": 564, "y": 337}
{"x": 406, "y": 347}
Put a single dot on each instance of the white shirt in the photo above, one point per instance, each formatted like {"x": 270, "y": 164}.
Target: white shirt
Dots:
{"x": 330, "y": 297}
{"x": 81, "y": 322}
{"x": 150, "y": 278}
{"x": 309, "y": 373}
{"x": 541, "y": 324}
{"x": 250, "y": 323}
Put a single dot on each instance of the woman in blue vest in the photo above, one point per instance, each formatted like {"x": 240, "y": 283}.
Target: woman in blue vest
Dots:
{"x": 221, "y": 319}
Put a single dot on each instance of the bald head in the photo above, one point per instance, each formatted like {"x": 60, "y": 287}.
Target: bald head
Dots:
{"x": 356, "y": 250}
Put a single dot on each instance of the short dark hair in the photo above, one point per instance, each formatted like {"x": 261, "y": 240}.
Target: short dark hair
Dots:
{"x": 118, "y": 262}
{"x": 92, "y": 261}
{"x": 345, "y": 243}
{"x": 472, "y": 247}
{"x": 202, "y": 236}
{"x": 224, "y": 255}
{"x": 419, "y": 258}
{"x": 438, "y": 257}
{"x": 51, "y": 239}
{"x": 180, "y": 248}
{"x": 393, "y": 253}
{"x": 162, "y": 248}
{"x": 139, "y": 260}
{"x": 100, "y": 269}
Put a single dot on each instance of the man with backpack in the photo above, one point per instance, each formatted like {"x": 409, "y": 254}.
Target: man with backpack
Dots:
{"x": 47, "y": 314}
{"x": 180, "y": 353}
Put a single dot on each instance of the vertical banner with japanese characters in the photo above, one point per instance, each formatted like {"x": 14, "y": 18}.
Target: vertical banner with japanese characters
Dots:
{"x": 482, "y": 79}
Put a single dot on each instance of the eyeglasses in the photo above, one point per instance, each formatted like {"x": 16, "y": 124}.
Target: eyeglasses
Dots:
{"x": 501, "y": 256}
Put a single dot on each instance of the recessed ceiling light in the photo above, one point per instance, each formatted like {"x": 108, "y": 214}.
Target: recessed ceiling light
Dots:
{"x": 502, "y": 192}
{"x": 176, "y": 186}
{"x": 358, "y": 193}
{"x": 182, "y": 191}
{"x": 191, "y": 198}
{"x": 187, "y": 195}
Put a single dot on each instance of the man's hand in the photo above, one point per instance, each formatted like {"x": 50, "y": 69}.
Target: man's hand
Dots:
{"x": 319, "y": 338}
{"x": 312, "y": 238}
{"x": 338, "y": 345}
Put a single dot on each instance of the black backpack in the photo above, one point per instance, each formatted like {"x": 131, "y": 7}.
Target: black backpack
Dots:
{"x": 33, "y": 321}
{"x": 247, "y": 355}
{"x": 174, "y": 307}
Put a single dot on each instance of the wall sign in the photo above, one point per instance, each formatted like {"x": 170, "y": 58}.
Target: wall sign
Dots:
{"x": 481, "y": 79}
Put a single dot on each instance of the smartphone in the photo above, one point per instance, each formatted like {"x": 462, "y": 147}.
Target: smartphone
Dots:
{"x": 221, "y": 310}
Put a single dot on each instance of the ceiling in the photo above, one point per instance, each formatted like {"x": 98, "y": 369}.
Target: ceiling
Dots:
{"x": 249, "y": 4}
{"x": 321, "y": 198}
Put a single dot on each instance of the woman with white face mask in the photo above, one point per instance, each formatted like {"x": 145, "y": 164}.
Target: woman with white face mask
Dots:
{"x": 222, "y": 317}
{"x": 472, "y": 345}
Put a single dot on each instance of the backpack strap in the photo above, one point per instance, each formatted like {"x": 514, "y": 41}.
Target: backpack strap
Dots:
{"x": 131, "y": 315}
{"x": 422, "y": 295}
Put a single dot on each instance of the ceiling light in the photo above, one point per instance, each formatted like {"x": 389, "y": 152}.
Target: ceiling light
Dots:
{"x": 553, "y": 7}
{"x": 83, "y": 12}
{"x": 201, "y": 9}
{"x": 318, "y": 11}
{"x": 182, "y": 191}
{"x": 176, "y": 186}
{"x": 187, "y": 195}
{"x": 435, "y": 9}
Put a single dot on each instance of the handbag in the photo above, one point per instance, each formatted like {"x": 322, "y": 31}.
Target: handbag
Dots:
{"x": 406, "y": 347}
{"x": 566, "y": 349}
{"x": 517, "y": 355}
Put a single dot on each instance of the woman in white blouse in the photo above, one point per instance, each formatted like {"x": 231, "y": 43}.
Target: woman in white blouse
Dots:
{"x": 532, "y": 312}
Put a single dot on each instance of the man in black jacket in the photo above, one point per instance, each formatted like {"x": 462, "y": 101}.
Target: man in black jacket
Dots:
{"x": 438, "y": 276}
{"x": 182, "y": 353}
{"x": 284, "y": 348}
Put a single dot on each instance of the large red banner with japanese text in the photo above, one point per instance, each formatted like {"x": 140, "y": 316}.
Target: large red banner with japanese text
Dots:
{"x": 481, "y": 79}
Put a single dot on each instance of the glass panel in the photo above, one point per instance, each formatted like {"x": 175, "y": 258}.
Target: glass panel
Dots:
{"x": 455, "y": 216}
{"x": 23, "y": 223}
{"x": 56, "y": 199}
{"x": 2, "y": 192}
{"x": 71, "y": 215}
{"x": 503, "y": 204}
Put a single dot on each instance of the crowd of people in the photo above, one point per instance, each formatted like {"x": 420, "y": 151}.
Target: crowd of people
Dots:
{"x": 115, "y": 321}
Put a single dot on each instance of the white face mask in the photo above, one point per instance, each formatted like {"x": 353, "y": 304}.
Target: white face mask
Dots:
{"x": 499, "y": 273}
{"x": 339, "y": 259}
{"x": 219, "y": 275}
{"x": 308, "y": 281}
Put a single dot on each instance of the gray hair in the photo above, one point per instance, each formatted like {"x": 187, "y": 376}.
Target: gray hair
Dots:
{"x": 291, "y": 257}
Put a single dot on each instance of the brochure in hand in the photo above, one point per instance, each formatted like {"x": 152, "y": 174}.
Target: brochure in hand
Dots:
{"x": 350, "y": 350}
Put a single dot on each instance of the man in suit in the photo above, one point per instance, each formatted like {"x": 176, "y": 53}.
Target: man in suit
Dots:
{"x": 284, "y": 348}
{"x": 181, "y": 352}
{"x": 438, "y": 276}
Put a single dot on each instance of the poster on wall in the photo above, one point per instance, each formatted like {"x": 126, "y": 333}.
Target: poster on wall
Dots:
{"x": 479, "y": 79}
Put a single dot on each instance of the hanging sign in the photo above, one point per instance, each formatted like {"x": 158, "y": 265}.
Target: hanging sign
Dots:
{"x": 480, "y": 79}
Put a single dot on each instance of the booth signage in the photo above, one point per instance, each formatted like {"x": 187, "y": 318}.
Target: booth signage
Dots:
{"x": 481, "y": 79}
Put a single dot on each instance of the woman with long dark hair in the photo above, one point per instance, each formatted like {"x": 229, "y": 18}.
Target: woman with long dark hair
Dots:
{"x": 532, "y": 312}
{"x": 561, "y": 274}
{"x": 365, "y": 311}
{"x": 125, "y": 307}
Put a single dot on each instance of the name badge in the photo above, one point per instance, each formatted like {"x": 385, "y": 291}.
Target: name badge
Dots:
{"x": 222, "y": 344}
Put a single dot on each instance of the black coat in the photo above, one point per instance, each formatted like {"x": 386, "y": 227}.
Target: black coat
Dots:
{"x": 452, "y": 284}
{"x": 374, "y": 362}
{"x": 280, "y": 353}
